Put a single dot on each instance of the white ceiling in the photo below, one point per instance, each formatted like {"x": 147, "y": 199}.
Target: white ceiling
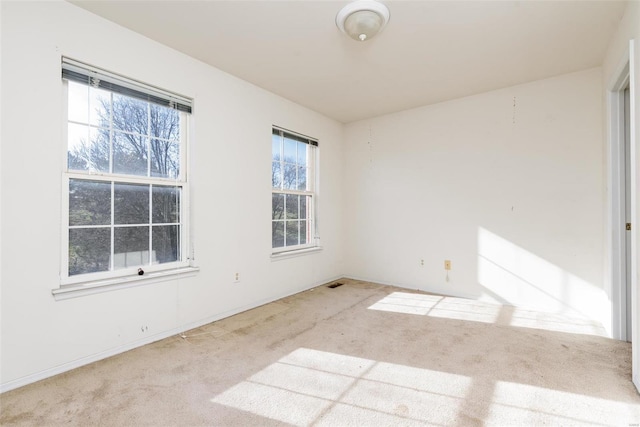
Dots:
{"x": 429, "y": 52}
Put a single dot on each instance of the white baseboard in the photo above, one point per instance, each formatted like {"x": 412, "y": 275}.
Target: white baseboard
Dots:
{"x": 47, "y": 373}
{"x": 452, "y": 293}
{"x": 41, "y": 375}
{"x": 405, "y": 286}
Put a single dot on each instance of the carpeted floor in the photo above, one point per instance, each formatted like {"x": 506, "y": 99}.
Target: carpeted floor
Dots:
{"x": 360, "y": 354}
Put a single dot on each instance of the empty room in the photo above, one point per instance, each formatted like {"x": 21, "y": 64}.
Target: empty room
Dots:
{"x": 339, "y": 213}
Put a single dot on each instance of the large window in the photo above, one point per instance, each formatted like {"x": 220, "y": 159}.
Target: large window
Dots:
{"x": 126, "y": 176}
{"x": 293, "y": 194}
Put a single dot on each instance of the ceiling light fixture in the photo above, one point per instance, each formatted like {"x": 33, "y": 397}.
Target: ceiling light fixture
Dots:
{"x": 363, "y": 19}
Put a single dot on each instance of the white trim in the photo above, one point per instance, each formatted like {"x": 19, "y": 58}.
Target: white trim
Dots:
{"x": 99, "y": 286}
{"x": 615, "y": 233}
{"x": 405, "y": 286}
{"x": 635, "y": 333}
{"x": 624, "y": 72}
{"x": 41, "y": 375}
{"x": 112, "y": 279}
{"x": 312, "y": 165}
{"x": 292, "y": 253}
{"x": 293, "y": 192}
{"x": 64, "y": 183}
{"x": 280, "y": 249}
{"x": 124, "y": 179}
{"x": 122, "y": 274}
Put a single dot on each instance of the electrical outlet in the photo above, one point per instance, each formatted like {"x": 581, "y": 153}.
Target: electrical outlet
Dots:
{"x": 447, "y": 264}
{"x": 236, "y": 278}
{"x": 421, "y": 263}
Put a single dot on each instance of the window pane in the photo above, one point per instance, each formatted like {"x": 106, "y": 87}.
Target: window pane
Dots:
{"x": 89, "y": 202}
{"x": 292, "y": 204}
{"x": 277, "y": 206}
{"x": 99, "y": 157}
{"x": 131, "y": 204}
{"x": 88, "y": 148}
{"x": 276, "y": 175}
{"x": 78, "y": 147}
{"x": 302, "y": 154}
{"x": 129, "y": 154}
{"x": 275, "y": 147}
{"x": 303, "y": 207}
{"x": 166, "y": 244}
{"x": 303, "y": 232}
{"x": 165, "y": 122}
{"x": 290, "y": 150}
{"x": 289, "y": 179}
{"x": 78, "y": 104}
{"x": 89, "y": 250}
{"x": 277, "y": 234}
{"x": 100, "y": 107}
{"x": 302, "y": 178}
{"x": 131, "y": 246}
{"x": 292, "y": 233}
{"x": 165, "y": 158}
{"x": 130, "y": 114}
{"x": 166, "y": 204}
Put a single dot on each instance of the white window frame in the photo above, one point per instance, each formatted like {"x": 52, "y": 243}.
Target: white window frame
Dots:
{"x": 312, "y": 191}
{"x": 80, "y": 284}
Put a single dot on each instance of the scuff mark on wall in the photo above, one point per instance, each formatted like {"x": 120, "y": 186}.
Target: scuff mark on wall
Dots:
{"x": 514, "y": 111}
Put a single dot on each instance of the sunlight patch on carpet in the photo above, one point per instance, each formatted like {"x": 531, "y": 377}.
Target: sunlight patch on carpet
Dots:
{"x": 534, "y": 319}
{"x": 484, "y": 311}
{"x": 527, "y": 404}
{"x": 321, "y": 388}
{"x": 438, "y": 306}
{"x": 310, "y": 386}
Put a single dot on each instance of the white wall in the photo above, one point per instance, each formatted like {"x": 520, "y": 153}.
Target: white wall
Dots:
{"x": 618, "y": 53}
{"x": 507, "y": 185}
{"x": 231, "y": 146}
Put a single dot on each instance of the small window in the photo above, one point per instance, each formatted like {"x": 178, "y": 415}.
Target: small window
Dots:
{"x": 293, "y": 194}
{"x": 126, "y": 176}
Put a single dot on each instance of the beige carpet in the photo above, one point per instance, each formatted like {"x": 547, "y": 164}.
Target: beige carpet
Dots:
{"x": 357, "y": 355}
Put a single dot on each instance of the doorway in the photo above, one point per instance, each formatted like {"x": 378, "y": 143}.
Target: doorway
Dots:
{"x": 626, "y": 208}
{"x": 620, "y": 205}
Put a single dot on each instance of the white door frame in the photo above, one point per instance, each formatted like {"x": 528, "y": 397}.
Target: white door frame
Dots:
{"x": 616, "y": 237}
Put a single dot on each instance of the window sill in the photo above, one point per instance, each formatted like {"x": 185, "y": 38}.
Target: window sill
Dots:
{"x": 294, "y": 253}
{"x": 96, "y": 287}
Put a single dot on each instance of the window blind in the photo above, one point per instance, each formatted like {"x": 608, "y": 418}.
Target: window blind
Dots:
{"x": 92, "y": 76}
{"x": 294, "y": 136}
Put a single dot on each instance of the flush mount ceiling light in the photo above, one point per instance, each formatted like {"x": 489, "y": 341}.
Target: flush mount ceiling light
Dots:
{"x": 361, "y": 20}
